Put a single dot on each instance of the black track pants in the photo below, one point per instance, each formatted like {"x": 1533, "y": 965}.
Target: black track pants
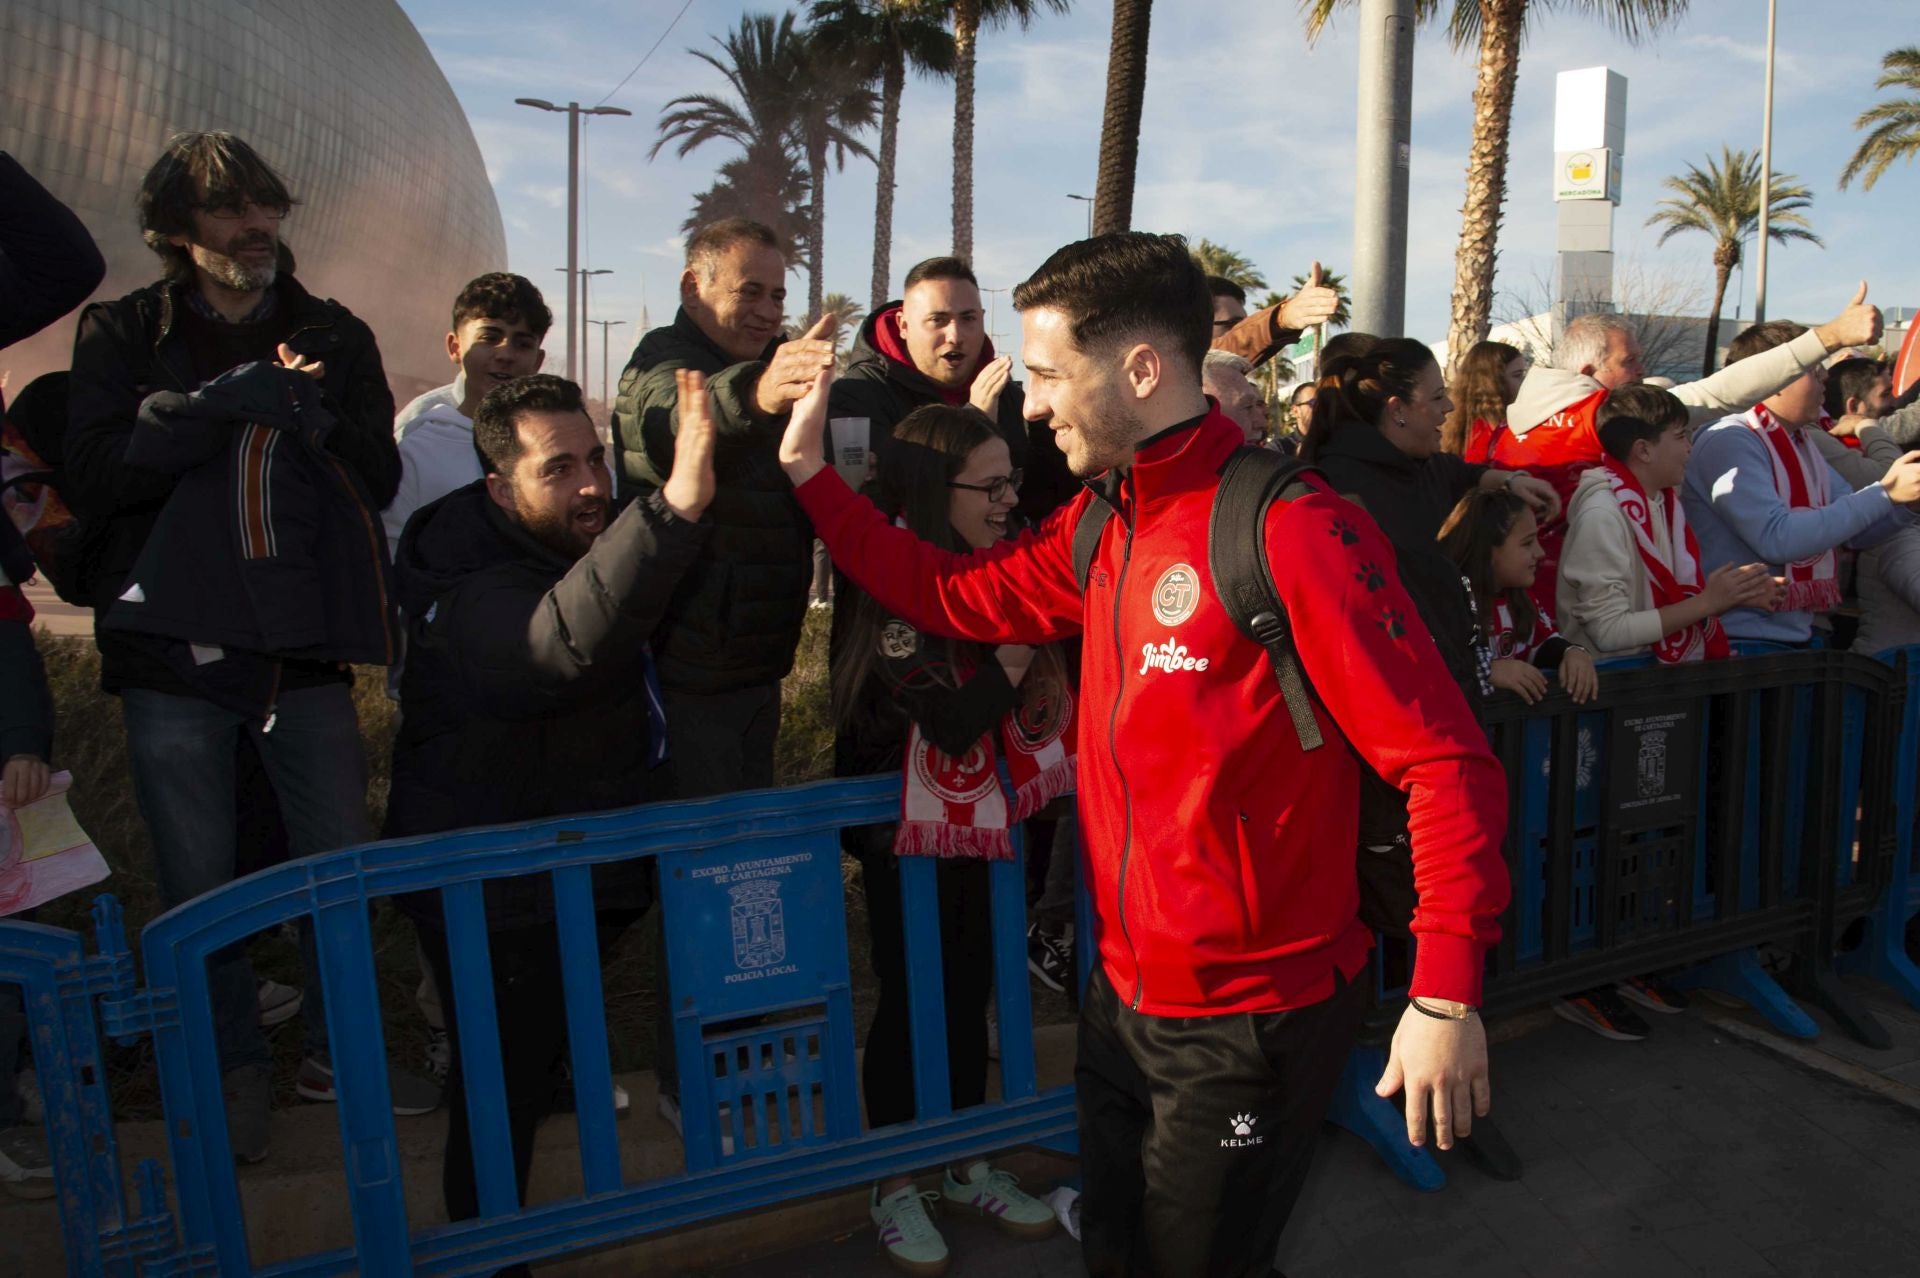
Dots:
{"x": 1196, "y": 1132}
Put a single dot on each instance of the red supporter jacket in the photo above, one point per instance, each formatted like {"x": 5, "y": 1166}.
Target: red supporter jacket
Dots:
{"x": 1559, "y": 450}
{"x": 1220, "y": 857}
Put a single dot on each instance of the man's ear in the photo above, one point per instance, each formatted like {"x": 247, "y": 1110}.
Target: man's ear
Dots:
{"x": 500, "y": 488}
{"x": 900, "y": 323}
{"x": 1143, "y": 368}
{"x": 453, "y": 347}
{"x": 689, "y": 286}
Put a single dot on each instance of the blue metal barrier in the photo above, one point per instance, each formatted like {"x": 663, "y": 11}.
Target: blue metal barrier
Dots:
{"x": 1882, "y": 949}
{"x": 755, "y": 926}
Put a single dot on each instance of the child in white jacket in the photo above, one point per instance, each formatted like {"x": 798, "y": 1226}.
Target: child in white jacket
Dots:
{"x": 1630, "y": 578}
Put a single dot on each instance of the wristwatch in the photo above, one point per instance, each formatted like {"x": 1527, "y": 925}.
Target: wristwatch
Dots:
{"x": 1443, "y": 1009}
{"x": 1511, "y": 476}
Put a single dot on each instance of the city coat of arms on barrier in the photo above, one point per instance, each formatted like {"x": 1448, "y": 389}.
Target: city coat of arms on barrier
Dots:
{"x": 759, "y": 924}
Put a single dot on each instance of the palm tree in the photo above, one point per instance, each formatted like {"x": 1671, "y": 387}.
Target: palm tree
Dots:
{"x": 1496, "y": 28}
{"x": 771, "y": 189}
{"x": 760, "y": 57}
{"x": 1723, "y": 201}
{"x": 1334, "y": 280}
{"x": 969, "y": 16}
{"x": 1120, "y": 126}
{"x": 1218, "y": 259}
{"x": 847, "y": 315}
{"x": 886, "y": 38}
{"x": 1895, "y": 122}
{"x": 831, "y": 105}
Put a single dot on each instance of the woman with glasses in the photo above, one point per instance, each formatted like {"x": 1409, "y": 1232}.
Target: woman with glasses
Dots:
{"x": 942, "y": 715}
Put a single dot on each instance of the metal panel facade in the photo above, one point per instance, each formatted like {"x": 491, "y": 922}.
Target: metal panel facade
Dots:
{"x": 343, "y": 98}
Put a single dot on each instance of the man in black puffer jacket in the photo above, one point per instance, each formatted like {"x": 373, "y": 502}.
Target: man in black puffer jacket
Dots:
{"x": 528, "y": 693}
{"x": 211, "y": 208}
{"x": 731, "y": 629}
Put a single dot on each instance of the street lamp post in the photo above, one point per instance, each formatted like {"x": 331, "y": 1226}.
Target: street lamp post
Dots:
{"x": 993, "y": 306}
{"x": 586, "y": 346}
{"x": 1766, "y": 182}
{"x": 1383, "y": 149}
{"x": 1088, "y": 199}
{"x": 606, "y": 386}
{"x": 573, "y": 111}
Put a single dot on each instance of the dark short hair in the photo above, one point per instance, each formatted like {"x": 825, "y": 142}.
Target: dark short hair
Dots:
{"x": 1221, "y": 286}
{"x": 496, "y": 423}
{"x": 705, "y": 246}
{"x": 1122, "y": 285}
{"x": 1852, "y": 378}
{"x": 1634, "y": 413}
{"x": 1762, "y": 337}
{"x": 940, "y": 268}
{"x": 503, "y": 296}
{"x": 200, "y": 169}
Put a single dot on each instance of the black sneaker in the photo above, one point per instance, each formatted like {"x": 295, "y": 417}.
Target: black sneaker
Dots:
{"x": 1601, "y": 1010}
{"x": 1655, "y": 996}
{"x": 1049, "y": 956}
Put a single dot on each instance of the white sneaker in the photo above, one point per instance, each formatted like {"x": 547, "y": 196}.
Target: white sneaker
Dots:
{"x": 1065, "y": 1202}
{"x": 278, "y": 1003}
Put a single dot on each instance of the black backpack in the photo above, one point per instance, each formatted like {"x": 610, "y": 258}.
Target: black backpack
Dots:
{"x": 1251, "y": 480}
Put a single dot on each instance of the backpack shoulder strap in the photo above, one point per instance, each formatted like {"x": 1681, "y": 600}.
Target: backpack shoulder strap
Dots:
{"x": 1086, "y": 538}
{"x": 1250, "y": 482}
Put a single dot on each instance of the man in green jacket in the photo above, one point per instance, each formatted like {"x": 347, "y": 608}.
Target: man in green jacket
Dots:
{"x": 733, "y": 624}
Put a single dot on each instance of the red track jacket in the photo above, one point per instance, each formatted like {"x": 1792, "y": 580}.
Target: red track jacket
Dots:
{"x": 1220, "y": 858}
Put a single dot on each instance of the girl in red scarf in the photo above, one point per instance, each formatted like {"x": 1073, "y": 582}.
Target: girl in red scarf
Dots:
{"x": 1493, "y": 539}
{"x": 943, "y": 715}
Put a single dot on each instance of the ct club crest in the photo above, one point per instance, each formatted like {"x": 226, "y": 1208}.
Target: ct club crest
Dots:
{"x": 1176, "y": 595}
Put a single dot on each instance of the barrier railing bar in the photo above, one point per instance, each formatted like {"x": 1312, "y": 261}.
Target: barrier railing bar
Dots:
{"x": 587, "y": 1028}
{"x": 1561, "y": 780}
{"x": 1732, "y": 736}
{"x": 1013, "y": 991}
{"x": 185, "y": 1049}
{"x": 926, "y": 987}
{"x": 344, "y": 939}
{"x": 1609, "y": 848}
{"x": 477, "y": 1022}
{"x": 1776, "y": 716}
{"x": 1509, "y": 747}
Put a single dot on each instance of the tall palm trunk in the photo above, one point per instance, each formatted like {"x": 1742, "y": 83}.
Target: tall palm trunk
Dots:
{"x": 816, "y": 224}
{"x": 1120, "y": 128}
{"x": 893, "y": 82}
{"x": 966, "y": 31}
{"x": 1473, "y": 263}
{"x": 1725, "y": 257}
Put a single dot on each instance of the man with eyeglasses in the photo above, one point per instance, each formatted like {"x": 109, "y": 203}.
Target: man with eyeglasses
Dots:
{"x": 213, "y": 210}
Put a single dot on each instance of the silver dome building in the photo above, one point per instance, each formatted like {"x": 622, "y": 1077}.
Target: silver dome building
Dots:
{"x": 342, "y": 98}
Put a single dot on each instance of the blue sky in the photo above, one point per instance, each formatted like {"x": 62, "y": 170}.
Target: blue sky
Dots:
{"x": 1246, "y": 140}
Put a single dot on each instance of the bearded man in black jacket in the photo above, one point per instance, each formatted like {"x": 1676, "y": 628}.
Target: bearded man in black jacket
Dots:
{"x": 212, "y": 210}
{"x": 529, "y": 692}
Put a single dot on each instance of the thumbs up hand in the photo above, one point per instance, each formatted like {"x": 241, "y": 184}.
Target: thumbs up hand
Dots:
{"x": 1314, "y": 304}
{"x": 1858, "y": 325}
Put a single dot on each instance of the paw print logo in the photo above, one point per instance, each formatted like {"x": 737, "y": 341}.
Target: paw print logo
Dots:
{"x": 1243, "y": 1124}
{"x": 1345, "y": 530}
{"x": 1370, "y": 576}
{"x": 1393, "y": 623}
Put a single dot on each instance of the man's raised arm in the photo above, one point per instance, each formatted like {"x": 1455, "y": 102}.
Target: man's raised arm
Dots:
{"x": 1020, "y": 591}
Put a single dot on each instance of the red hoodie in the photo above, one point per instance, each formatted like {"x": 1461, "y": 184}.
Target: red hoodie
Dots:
{"x": 1220, "y": 858}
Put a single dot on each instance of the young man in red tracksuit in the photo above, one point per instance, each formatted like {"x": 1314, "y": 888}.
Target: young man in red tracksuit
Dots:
{"x": 1219, "y": 853}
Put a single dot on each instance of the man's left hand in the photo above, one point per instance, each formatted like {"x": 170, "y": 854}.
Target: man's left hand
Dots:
{"x": 1859, "y": 325}
{"x": 1442, "y": 1067}
{"x": 988, "y": 383}
{"x": 1314, "y": 304}
{"x": 289, "y": 358}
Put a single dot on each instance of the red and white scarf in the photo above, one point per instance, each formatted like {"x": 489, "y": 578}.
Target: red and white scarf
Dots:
{"x": 1800, "y": 477}
{"x": 1672, "y": 583}
{"x": 956, "y": 807}
{"x": 1505, "y": 644}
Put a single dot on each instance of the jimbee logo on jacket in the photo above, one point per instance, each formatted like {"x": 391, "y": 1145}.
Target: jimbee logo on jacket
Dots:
{"x": 1176, "y": 595}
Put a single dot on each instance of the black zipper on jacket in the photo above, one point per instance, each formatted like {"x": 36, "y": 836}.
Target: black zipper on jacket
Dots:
{"x": 1113, "y": 751}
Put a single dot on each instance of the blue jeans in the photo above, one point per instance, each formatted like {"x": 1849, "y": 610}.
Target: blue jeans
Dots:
{"x": 180, "y": 751}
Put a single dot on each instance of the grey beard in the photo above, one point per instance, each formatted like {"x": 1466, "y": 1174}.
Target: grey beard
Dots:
{"x": 229, "y": 273}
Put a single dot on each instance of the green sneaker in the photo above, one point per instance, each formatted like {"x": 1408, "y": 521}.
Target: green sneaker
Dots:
{"x": 907, "y": 1232}
{"x": 997, "y": 1196}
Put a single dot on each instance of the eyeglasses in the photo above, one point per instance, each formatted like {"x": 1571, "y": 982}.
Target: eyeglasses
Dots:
{"x": 994, "y": 488}
{"x": 234, "y": 210}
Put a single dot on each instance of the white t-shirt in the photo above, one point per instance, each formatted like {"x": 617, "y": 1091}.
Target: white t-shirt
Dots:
{"x": 436, "y": 457}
